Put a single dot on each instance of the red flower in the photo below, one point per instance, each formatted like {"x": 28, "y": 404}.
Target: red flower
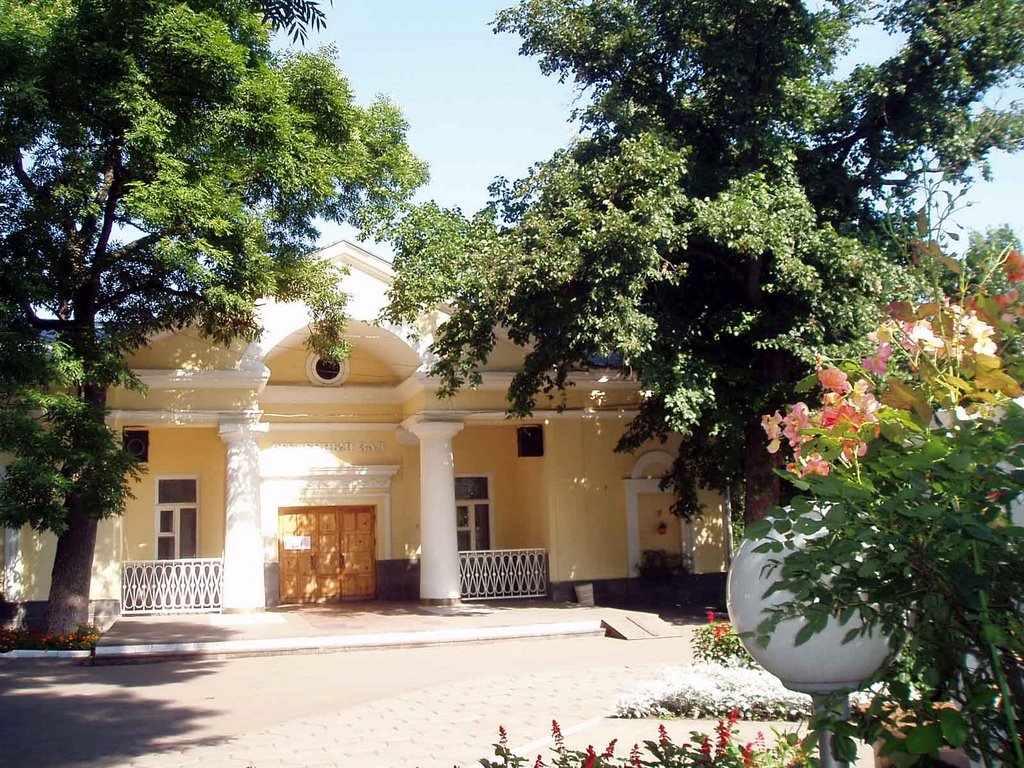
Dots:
{"x": 591, "y": 757}
{"x": 634, "y": 757}
{"x": 724, "y": 732}
{"x": 711, "y": 617}
{"x": 705, "y": 747}
{"x": 610, "y": 751}
{"x": 538, "y": 763}
{"x": 663, "y": 735}
{"x": 502, "y": 735}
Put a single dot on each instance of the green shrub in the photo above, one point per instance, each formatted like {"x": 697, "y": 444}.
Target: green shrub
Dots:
{"x": 717, "y": 643}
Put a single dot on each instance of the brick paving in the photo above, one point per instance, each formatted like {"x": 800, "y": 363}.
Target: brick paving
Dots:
{"x": 434, "y": 707}
{"x": 426, "y": 707}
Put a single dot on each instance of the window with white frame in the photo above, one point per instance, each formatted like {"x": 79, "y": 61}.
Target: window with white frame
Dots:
{"x": 473, "y": 512}
{"x": 177, "y": 518}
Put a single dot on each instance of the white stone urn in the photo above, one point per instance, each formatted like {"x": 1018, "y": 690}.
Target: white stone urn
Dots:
{"x": 823, "y": 664}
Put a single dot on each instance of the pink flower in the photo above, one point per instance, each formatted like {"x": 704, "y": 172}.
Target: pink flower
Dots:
{"x": 797, "y": 420}
{"x": 834, "y": 379}
{"x": 772, "y": 425}
{"x": 814, "y": 465}
{"x": 879, "y": 363}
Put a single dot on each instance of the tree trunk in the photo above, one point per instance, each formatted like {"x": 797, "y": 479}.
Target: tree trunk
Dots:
{"x": 761, "y": 486}
{"x": 71, "y": 578}
{"x": 72, "y": 572}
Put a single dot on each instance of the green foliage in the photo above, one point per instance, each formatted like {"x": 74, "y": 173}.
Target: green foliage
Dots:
{"x": 659, "y": 563}
{"x": 922, "y": 533}
{"x": 923, "y": 549}
{"x": 718, "y": 220}
{"x": 717, "y": 643}
{"x": 159, "y": 167}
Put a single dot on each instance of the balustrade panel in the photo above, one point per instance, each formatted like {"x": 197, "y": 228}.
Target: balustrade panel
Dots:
{"x": 493, "y": 574}
{"x": 188, "y": 585}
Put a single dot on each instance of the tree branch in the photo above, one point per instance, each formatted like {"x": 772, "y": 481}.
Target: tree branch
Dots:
{"x": 22, "y": 175}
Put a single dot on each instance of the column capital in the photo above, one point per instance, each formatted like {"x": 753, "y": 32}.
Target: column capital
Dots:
{"x": 436, "y": 430}
{"x": 234, "y": 431}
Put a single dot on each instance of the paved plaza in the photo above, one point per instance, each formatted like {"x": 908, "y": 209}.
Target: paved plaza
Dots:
{"x": 428, "y": 707}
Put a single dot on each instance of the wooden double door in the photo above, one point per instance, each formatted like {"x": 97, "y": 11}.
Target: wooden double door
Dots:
{"x": 326, "y": 553}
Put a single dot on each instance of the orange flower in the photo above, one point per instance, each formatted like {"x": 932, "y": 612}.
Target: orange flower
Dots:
{"x": 1014, "y": 266}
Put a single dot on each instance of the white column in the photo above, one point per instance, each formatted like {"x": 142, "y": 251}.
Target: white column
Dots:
{"x": 439, "y": 544}
{"x": 243, "y": 537}
{"x": 14, "y": 565}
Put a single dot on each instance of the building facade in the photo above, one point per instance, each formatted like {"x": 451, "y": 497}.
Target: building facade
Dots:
{"x": 286, "y": 478}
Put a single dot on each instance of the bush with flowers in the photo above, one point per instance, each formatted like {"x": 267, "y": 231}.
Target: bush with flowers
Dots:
{"x": 725, "y": 750}
{"x": 717, "y": 643}
{"x": 21, "y": 639}
{"x": 910, "y": 470}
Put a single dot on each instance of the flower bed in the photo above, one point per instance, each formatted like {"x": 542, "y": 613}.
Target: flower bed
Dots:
{"x": 713, "y": 690}
{"x": 21, "y": 639}
{"x": 724, "y": 750}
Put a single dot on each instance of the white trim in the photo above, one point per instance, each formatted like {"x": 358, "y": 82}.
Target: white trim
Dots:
{"x": 344, "y": 367}
{"x": 635, "y": 485}
{"x": 355, "y": 255}
{"x": 489, "y": 501}
{"x": 330, "y": 486}
{"x": 176, "y": 507}
{"x": 158, "y": 378}
{"x": 643, "y": 463}
{"x": 331, "y": 426}
{"x": 502, "y": 380}
{"x": 540, "y": 417}
{"x": 140, "y": 418}
{"x": 353, "y": 473}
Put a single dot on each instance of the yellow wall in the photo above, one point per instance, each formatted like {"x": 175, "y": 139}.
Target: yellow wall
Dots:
{"x": 586, "y": 499}
{"x": 711, "y": 555}
{"x": 653, "y": 509}
{"x": 184, "y": 452}
{"x": 187, "y": 350}
{"x": 288, "y": 366}
{"x": 517, "y": 492}
{"x": 37, "y": 550}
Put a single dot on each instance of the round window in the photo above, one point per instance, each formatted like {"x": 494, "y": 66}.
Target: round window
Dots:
{"x": 327, "y": 370}
{"x": 326, "y": 373}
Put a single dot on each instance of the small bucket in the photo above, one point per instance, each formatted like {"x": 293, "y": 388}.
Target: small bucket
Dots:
{"x": 585, "y": 594}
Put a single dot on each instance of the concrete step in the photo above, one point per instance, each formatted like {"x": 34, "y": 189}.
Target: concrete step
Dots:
{"x": 638, "y": 626}
{"x": 145, "y": 652}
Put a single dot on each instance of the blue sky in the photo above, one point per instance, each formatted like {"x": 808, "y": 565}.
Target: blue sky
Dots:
{"x": 478, "y": 110}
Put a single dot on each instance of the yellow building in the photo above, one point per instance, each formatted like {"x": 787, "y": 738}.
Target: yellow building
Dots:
{"x": 275, "y": 477}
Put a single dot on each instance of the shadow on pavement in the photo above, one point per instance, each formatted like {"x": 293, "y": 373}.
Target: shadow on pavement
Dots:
{"x": 62, "y": 714}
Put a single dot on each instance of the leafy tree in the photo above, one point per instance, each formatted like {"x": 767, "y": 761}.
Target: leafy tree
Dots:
{"x": 159, "y": 167}
{"x": 720, "y": 220}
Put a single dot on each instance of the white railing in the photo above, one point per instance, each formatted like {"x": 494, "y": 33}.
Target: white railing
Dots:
{"x": 489, "y": 574}
{"x": 172, "y": 586}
